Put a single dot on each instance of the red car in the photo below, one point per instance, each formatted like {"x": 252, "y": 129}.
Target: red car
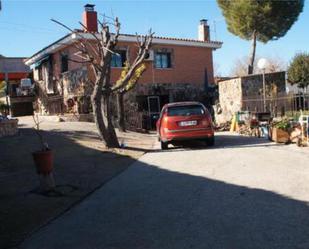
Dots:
{"x": 184, "y": 121}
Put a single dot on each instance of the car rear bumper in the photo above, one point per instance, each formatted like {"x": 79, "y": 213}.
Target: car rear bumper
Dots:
{"x": 188, "y": 134}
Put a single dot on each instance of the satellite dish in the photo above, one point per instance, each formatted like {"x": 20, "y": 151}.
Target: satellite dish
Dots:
{"x": 262, "y": 63}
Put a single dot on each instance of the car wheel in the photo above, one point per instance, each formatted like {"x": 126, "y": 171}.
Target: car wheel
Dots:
{"x": 164, "y": 145}
{"x": 210, "y": 141}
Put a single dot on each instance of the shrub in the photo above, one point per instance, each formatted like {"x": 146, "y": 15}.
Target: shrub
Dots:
{"x": 283, "y": 124}
{"x": 3, "y": 107}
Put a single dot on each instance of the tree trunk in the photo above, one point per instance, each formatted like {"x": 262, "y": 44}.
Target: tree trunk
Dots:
{"x": 111, "y": 139}
{"x": 306, "y": 106}
{"x": 103, "y": 117}
{"x": 252, "y": 56}
{"x": 120, "y": 109}
{"x": 97, "y": 113}
{"x": 304, "y": 100}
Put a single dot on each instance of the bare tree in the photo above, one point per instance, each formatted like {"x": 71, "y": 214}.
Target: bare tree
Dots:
{"x": 275, "y": 64}
{"x": 217, "y": 72}
{"x": 240, "y": 68}
{"x": 97, "y": 53}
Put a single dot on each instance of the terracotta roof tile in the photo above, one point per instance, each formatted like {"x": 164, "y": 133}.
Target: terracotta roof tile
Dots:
{"x": 177, "y": 39}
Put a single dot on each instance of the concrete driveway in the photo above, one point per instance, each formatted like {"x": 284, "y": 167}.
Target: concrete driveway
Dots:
{"x": 243, "y": 193}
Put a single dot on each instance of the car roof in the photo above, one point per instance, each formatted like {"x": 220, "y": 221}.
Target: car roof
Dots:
{"x": 184, "y": 103}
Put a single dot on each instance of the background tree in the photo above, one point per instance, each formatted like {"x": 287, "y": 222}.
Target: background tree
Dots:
{"x": 298, "y": 72}
{"x": 122, "y": 91}
{"x": 217, "y": 72}
{"x": 2, "y": 88}
{"x": 240, "y": 66}
{"x": 98, "y": 54}
{"x": 258, "y": 20}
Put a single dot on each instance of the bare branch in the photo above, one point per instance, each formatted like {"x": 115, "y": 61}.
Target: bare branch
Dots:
{"x": 137, "y": 38}
{"x": 73, "y": 31}
{"x": 91, "y": 33}
{"x": 109, "y": 23}
{"x": 143, "y": 50}
{"x": 105, "y": 16}
{"x": 63, "y": 25}
{"x": 117, "y": 31}
{"x": 82, "y": 40}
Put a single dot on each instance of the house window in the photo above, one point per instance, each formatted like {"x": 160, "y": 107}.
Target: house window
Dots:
{"x": 163, "y": 60}
{"x": 119, "y": 59}
{"x": 64, "y": 63}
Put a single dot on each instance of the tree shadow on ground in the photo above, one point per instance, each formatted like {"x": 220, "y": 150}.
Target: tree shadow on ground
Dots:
{"x": 222, "y": 141}
{"x": 151, "y": 207}
{"x": 81, "y": 163}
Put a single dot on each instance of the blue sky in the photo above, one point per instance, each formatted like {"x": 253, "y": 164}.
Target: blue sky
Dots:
{"x": 25, "y": 26}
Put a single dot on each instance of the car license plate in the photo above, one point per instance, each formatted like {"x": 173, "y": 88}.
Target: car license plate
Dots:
{"x": 187, "y": 123}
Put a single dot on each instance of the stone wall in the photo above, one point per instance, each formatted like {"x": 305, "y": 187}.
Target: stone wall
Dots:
{"x": 136, "y": 105}
{"x": 73, "y": 85}
{"x": 233, "y": 92}
{"x": 77, "y": 89}
{"x": 68, "y": 117}
{"x": 175, "y": 91}
{"x": 8, "y": 127}
{"x": 75, "y": 82}
{"x": 230, "y": 98}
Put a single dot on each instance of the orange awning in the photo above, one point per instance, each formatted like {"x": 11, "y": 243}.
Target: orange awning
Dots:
{"x": 14, "y": 76}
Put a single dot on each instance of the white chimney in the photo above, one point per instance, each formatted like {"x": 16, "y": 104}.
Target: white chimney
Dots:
{"x": 203, "y": 31}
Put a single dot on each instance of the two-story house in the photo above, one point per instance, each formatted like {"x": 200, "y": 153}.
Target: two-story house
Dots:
{"x": 177, "y": 69}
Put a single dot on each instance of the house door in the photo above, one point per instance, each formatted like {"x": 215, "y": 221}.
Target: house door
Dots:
{"x": 153, "y": 110}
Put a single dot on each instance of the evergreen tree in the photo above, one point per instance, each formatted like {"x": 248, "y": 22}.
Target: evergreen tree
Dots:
{"x": 298, "y": 71}
{"x": 262, "y": 20}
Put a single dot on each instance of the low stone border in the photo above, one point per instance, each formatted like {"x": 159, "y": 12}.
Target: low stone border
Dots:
{"x": 68, "y": 118}
{"x": 8, "y": 127}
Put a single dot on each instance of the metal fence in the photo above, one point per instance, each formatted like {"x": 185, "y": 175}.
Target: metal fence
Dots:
{"x": 137, "y": 120}
{"x": 277, "y": 105}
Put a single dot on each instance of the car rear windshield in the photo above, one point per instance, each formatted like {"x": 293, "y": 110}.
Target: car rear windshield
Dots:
{"x": 187, "y": 110}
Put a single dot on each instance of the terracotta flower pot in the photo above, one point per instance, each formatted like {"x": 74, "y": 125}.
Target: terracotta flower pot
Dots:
{"x": 43, "y": 161}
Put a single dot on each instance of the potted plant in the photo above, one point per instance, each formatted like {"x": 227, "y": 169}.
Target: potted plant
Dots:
{"x": 280, "y": 131}
{"x": 43, "y": 158}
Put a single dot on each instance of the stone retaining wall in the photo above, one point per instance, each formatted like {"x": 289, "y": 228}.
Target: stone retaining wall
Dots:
{"x": 230, "y": 96}
{"x": 8, "y": 127}
{"x": 68, "y": 117}
{"x": 234, "y": 91}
